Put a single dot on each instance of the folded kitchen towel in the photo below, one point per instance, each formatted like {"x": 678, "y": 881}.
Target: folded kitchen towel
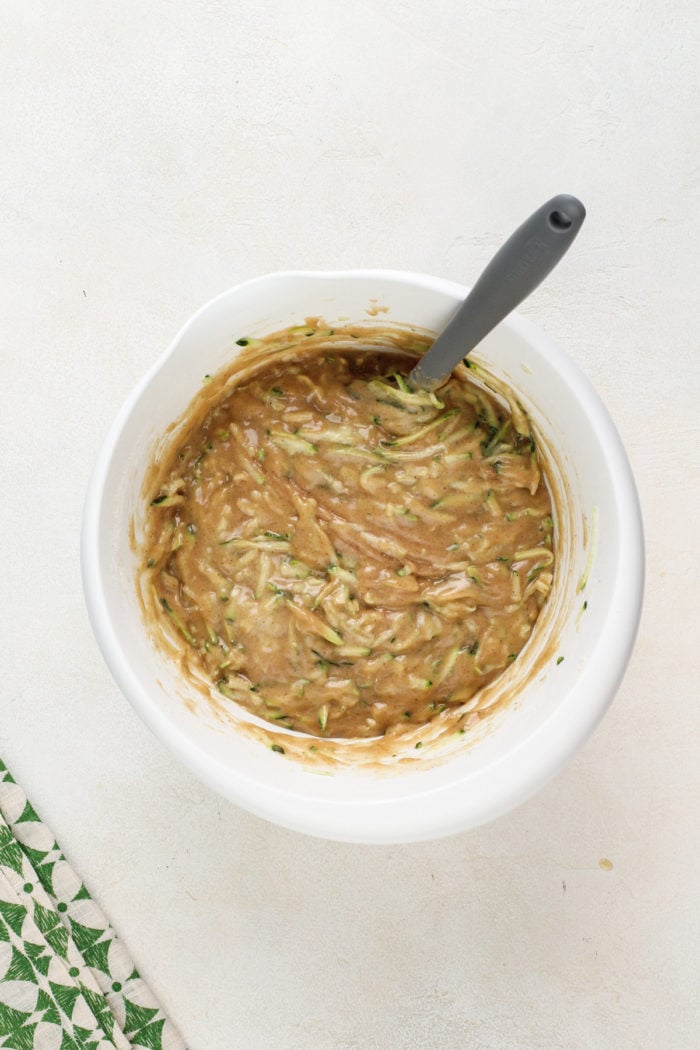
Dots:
{"x": 66, "y": 981}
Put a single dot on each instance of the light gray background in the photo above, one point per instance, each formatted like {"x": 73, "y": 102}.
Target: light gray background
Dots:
{"x": 154, "y": 154}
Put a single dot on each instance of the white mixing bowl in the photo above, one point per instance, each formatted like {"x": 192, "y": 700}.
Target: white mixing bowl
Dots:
{"x": 558, "y": 702}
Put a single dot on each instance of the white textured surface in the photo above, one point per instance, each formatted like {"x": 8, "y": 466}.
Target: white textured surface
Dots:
{"x": 155, "y": 153}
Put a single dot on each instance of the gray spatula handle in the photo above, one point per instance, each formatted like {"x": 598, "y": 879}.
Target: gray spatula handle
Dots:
{"x": 521, "y": 264}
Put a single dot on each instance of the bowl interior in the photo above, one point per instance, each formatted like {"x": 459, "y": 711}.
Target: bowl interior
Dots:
{"x": 561, "y": 701}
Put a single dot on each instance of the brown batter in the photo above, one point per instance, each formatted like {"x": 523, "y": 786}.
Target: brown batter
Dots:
{"x": 340, "y": 554}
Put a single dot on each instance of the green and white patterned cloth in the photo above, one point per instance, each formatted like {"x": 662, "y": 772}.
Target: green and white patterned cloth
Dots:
{"x": 66, "y": 981}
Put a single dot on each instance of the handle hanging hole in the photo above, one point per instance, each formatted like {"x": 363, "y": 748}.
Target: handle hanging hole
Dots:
{"x": 559, "y": 221}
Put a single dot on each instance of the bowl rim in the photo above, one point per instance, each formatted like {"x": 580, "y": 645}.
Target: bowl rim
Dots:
{"x": 530, "y": 763}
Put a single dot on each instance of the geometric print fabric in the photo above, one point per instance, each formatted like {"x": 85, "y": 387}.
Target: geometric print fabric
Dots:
{"x": 66, "y": 980}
